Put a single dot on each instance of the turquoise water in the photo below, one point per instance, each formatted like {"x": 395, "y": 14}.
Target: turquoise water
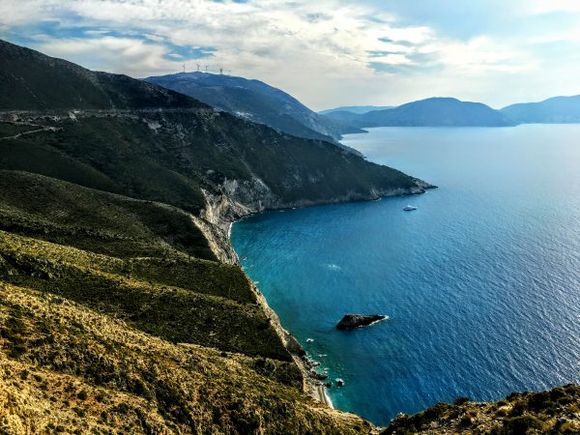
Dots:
{"x": 482, "y": 282}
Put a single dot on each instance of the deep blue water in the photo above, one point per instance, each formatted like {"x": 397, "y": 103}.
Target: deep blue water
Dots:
{"x": 482, "y": 282}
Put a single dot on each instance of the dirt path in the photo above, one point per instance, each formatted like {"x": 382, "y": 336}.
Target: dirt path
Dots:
{"x": 26, "y": 133}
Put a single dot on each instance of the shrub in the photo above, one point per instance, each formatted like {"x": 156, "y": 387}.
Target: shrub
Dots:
{"x": 520, "y": 425}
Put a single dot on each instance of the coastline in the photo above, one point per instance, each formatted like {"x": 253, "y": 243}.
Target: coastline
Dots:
{"x": 217, "y": 222}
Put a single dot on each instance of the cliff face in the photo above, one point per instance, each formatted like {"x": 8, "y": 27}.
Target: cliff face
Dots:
{"x": 241, "y": 199}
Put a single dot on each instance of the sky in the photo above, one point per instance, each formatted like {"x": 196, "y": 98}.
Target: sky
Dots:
{"x": 325, "y": 52}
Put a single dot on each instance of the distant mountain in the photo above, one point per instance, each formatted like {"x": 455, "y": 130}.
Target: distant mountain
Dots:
{"x": 30, "y": 80}
{"x": 552, "y": 110}
{"x": 350, "y": 120}
{"x": 255, "y": 101}
{"x": 354, "y": 109}
{"x": 432, "y": 112}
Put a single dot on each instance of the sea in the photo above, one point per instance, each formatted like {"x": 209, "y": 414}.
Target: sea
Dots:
{"x": 481, "y": 283}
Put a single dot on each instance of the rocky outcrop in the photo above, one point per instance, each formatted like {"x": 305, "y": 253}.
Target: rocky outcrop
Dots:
{"x": 353, "y": 321}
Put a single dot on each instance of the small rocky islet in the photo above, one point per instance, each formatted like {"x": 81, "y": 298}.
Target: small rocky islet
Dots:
{"x": 354, "y": 321}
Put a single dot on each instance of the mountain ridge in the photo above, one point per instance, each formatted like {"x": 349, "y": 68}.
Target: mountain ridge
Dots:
{"x": 561, "y": 109}
{"x": 254, "y": 100}
{"x": 430, "y": 112}
{"x": 31, "y": 80}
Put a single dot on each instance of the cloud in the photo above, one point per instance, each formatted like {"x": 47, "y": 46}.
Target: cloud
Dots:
{"x": 326, "y": 52}
{"x": 551, "y": 6}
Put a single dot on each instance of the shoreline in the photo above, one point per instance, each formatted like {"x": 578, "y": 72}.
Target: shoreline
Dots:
{"x": 313, "y": 387}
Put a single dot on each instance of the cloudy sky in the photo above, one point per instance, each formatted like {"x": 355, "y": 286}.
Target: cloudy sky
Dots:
{"x": 325, "y": 52}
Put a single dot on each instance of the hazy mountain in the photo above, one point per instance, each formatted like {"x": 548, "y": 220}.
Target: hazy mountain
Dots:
{"x": 432, "y": 112}
{"x": 354, "y": 109}
{"x": 255, "y": 101}
{"x": 552, "y": 110}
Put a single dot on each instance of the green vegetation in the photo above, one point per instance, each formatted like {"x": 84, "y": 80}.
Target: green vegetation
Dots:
{"x": 190, "y": 152}
{"x": 116, "y": 287}
{"x": 554, "y": 411}
{"x": 108, "y": 321}
{"x": 97, "y": 221}
{"x": 30, "y": 80}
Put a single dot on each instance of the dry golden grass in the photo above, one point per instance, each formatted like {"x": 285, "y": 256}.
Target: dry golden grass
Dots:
{"x": 64, "y": 365}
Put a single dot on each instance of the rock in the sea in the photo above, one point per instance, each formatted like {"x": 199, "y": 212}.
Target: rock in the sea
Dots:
{"x": 339, "y": 382}
{"x": 352, "y": 321}
{"x": 319, "y": 376}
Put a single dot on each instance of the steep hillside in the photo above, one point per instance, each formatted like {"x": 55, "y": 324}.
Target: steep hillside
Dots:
{"x": 101, "y": 222}
{"x": 432, "y": 112}
{"x": 30, "y": 80}
{"x": 557, "y": 110}
{"x": 68, "y": 368}
{"x": 138, "y": 340}
{"x": 255, "y": 101}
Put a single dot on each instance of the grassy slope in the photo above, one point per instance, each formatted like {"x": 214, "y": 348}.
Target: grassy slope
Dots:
{"x": 64, "y": 367}
{"x": 72, "y": 365}
{"x": 98, "y": 221}
{"x": 140, "y": 339}
{"x": 116, "y": 287}
{"x": 190, "y": 152}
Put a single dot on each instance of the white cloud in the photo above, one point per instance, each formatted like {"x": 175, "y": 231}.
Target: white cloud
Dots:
{"x": 323, "y": 52}
{"x": 548, "y": 6}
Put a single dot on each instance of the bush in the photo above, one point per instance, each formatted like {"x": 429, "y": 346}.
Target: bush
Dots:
{"x": 520, "y": 425}
{"x": 461, "y": 400}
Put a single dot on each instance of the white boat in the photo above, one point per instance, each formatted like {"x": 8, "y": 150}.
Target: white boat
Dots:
{"x": 410, "y": 208}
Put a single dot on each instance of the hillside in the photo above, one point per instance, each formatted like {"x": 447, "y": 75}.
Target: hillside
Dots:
{"x": 359, "y": 110}
{"x": 432, "y": 112}
{"x": 30, "y": 80}
{"x": 255, "y": 101}
{"x": 557, "y": 110}
{"x": 554, "y": 412}
{"x": 122, "y": 305}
